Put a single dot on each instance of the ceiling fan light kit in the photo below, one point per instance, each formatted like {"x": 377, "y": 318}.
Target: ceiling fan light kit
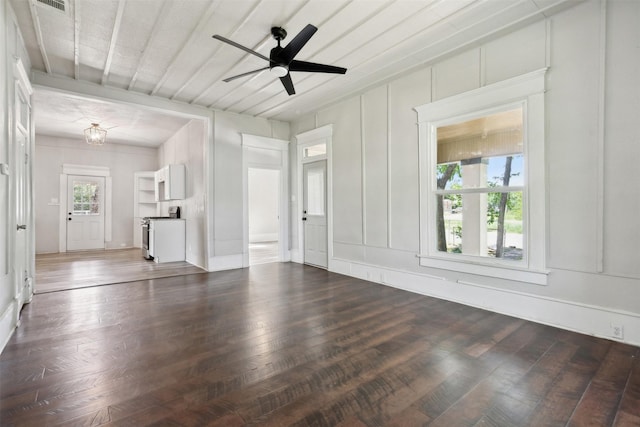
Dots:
{"x": 281, "y": 59}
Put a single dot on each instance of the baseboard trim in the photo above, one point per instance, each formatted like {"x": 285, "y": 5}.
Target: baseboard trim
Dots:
{"x": 225, "y": 262}
{"x": 569, "y": 315}
{"x": 7, "y": 326}
{"x": 296, "y": 256}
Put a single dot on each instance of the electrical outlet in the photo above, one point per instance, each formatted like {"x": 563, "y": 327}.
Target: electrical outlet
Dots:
{"x": 617, "y": 331}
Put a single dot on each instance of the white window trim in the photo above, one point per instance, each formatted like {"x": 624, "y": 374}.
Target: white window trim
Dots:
{"x": 526, "y": 91}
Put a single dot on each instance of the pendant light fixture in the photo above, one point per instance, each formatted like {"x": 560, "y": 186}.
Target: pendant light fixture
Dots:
{"x": 95, "y": 135}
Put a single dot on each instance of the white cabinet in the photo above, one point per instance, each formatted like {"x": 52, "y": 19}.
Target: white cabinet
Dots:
{"x": 167, "y": 240}
{"x": 170, "y": 183}
{"x": 144, "y": 202}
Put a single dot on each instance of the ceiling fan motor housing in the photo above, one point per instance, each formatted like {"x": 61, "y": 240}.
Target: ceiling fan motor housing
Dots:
{"x": 277, "y": 66}
{"x": 278, "y": 33}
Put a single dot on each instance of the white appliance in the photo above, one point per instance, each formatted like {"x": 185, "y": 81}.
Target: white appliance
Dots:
{"x": 167, "y": 239}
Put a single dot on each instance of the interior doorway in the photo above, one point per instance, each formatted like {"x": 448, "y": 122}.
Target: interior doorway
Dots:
{"x": 265, "y": 186}
{"x": 264, "y": 215}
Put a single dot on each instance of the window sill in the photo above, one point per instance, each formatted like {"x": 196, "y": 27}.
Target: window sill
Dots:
{"x": 518, "y": 274}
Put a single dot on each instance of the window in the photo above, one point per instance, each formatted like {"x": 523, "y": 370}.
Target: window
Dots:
{"x": 482, "y": 197}
{"x": 86, "y": 198}
{"x": 479, "y": 182}
{"x": 315, "y": 150}
{"x": 315, "y": 191}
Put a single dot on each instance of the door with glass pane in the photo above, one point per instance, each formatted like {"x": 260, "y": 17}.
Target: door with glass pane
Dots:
{"x": 315, "y": 213}
{"x": 85, "y": 217}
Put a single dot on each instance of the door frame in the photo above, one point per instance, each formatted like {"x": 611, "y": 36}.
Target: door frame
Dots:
{"x": 100, "y": 241}
{"x": 85, "y": 170}
{"x": 323, "y": 134}
{"x": 282, "y": 147}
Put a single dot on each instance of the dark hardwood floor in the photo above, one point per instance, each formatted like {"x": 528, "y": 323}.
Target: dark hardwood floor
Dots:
{"x": 285, "y": 344}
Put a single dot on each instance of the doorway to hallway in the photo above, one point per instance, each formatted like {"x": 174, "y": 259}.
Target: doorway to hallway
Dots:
{"x": 264, "y": 215}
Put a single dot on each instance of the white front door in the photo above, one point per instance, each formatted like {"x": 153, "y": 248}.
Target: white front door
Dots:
{"x": 85, "y": 214}
{"x": 315, "y": 213}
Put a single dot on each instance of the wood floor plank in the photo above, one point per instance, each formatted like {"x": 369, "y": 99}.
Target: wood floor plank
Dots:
{"x": 286, "y": 344}
{"x": 629, "y": 410}
{"x": 601, "y": 400}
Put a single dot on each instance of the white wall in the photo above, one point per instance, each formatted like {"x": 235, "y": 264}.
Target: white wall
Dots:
{"x": 591, "y": 148}
{"x": 264, "y": 200}
{"x": 187, "y": 147}
{"x": 122, "y": 160}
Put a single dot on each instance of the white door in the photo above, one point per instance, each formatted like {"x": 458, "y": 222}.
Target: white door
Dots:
{"x": 85, "y": 214}
{"x": 314, "y": 212}
{"x": 23, "y": 226}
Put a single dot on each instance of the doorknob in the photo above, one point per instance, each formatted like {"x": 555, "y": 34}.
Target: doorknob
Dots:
{"x": 22, "y": 227}
{"x": 69, "y": 219}
{"x": 304, "y": 218}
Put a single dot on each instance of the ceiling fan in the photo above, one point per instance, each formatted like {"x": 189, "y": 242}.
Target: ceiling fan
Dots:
{"x": 281, "y": 60}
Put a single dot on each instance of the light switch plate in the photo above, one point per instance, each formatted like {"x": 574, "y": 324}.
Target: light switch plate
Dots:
{"x": 4, "y": 169}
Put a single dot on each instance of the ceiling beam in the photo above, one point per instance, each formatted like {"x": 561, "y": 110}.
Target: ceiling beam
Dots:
{"x": 114, "y": 38}
{"x": 150, "y": 41}
{"x": 204, "y": 20}
{"x": 38, "y": 30}
{"x": 94, "y": 90}
{"x": 76, "y": 39}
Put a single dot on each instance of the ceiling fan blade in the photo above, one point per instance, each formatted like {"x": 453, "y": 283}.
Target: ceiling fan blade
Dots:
{"x": 291, "y": 50}
{"x": 228, "y": 79}
{"x": 288, "y": 84}
{"x": 312, "y": 67}
{"x": 239, "y": 46}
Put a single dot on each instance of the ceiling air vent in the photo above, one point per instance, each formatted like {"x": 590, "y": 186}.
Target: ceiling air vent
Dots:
{"x": 56, "y": 4}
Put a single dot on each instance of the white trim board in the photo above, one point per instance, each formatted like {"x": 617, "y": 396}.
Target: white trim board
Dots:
{"x": 582, "y": 318}
{"x": 7, "y": 326}
{"x": 225, "y": 262}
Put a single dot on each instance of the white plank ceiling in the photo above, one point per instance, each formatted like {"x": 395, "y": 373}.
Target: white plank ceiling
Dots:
{"x": 164, "y": 48}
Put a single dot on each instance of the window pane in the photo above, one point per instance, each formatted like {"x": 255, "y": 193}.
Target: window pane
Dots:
{"x": 480, "y": 153}
{"x": 85, "y": 198}
{"x": 481, "y": 224}
{"x": 315, "y": 150}
{"x": 315, "y": 192}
